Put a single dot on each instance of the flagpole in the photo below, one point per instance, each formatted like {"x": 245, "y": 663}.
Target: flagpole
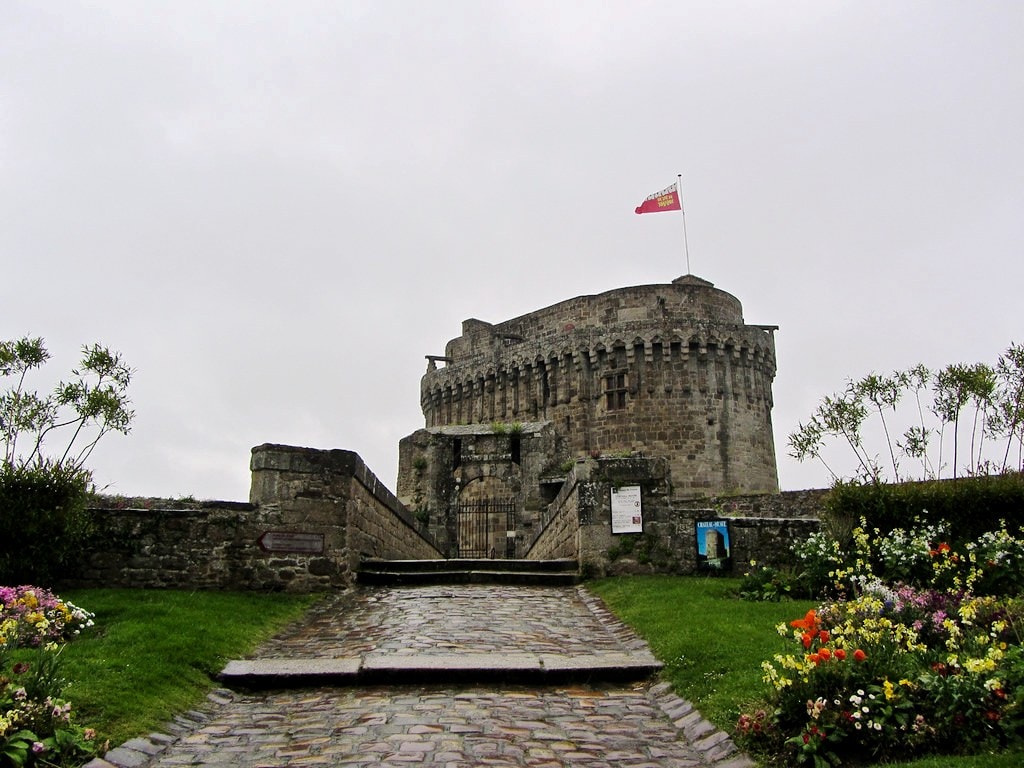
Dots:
{"x": 682, "y": 210}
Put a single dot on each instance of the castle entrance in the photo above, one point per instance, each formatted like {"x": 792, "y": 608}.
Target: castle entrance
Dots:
{"x": 487, "y": 529}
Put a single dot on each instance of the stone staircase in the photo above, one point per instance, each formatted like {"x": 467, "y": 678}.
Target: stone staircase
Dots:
{"x": 547, "y": 573}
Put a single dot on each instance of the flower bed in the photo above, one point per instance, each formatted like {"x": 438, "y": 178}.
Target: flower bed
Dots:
{"x": 886, "y": 670}
{"x": 36, "y": 724}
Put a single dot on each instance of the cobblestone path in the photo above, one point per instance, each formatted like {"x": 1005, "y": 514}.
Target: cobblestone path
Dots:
{"x": 445, "y": 726}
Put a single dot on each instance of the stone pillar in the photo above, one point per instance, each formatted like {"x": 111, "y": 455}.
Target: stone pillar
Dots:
{"x": 309, "y": 490}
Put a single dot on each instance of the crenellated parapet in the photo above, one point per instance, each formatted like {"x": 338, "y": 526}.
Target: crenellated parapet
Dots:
{"x": 747, "y": 360}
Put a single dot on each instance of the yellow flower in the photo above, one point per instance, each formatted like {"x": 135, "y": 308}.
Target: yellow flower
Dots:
{"x": 977, "y": 666}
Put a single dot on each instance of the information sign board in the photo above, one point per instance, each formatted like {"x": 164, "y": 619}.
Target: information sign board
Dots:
{"x": 627, "y": 510}
{"x": 299, "y": 543}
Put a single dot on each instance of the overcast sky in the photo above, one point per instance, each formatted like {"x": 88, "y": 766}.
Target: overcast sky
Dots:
{"x": 275, "y": 210}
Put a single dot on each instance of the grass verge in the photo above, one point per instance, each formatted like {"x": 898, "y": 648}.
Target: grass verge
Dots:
{"x": 155, "y": 653}
{"x": 712, "y": 645}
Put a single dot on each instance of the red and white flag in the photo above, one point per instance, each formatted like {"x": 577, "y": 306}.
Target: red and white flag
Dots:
{"x": 666, "y": 200}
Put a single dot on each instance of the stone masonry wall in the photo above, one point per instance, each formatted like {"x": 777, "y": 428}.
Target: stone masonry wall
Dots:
{"x": 393, "y": 535}
{"x": 557, "y": 535}
{"x": 761, "y": 527}
{"x": 160, "y": 543}
{"x": 333, "y": 494}
{"x": 312, "y": 516}
{"x": 806, "y": 504}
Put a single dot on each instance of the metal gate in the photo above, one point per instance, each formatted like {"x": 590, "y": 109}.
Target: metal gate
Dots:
{"x": 487, "y": 528}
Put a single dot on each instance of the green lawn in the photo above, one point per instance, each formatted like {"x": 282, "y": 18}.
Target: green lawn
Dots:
{"x": 712, "y": 645}
{"x": 155, "y": 653}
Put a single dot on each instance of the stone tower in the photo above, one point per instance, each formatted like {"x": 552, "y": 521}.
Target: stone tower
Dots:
{"x": 665, "y": 371}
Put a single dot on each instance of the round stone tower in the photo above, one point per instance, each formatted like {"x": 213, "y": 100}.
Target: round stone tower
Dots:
{"x": 658, "y": 370}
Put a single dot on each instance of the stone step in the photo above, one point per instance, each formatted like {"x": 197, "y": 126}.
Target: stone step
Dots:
{"x": 413, "y": 578}
{"x": 469, "y": 571}
{"x": 474, "y": 564}
{"x": 426, "y": 669}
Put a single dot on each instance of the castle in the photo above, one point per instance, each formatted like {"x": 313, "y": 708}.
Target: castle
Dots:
{"x": 668, "y": 372}
{"x": 624, "y": 432}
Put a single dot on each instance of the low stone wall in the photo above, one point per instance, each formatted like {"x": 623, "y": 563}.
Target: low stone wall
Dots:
{"x": 557, "y": 534}
{"x": 311, "y": 517}
{"x": 578, "y": 523}
{"x": 767, "y": 541}
{"x": 787, "y": 504}
{"x": 155, "y": 543}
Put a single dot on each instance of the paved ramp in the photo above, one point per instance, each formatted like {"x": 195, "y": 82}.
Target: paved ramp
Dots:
{"x": 467, "y": 634}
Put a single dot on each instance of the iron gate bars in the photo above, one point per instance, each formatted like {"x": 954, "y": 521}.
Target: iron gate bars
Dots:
{"x": 486, "y": 529}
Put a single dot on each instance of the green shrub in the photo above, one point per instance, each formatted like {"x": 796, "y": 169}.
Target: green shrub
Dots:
{"x": 43, "y": 520}
{"x": 970, "y": 506}
{"x": 768, "y": 584}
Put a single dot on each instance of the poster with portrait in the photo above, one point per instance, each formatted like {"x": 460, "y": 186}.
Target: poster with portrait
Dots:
{"x": 627, "y": 511}
{"x": 714, "y": 551}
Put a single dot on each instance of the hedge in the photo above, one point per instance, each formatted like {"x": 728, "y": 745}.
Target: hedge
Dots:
{"x": 971, "y": 506}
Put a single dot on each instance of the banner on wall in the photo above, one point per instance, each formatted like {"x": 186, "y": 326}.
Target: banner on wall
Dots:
{"x": 627, "y": 510}
{"x": 714, "y": 545}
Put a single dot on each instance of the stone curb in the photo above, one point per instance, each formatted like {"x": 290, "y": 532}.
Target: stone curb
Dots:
{"x": 714, "y": 745}
{"x": 635, "y": 663}
{"x": 137, "y": 752}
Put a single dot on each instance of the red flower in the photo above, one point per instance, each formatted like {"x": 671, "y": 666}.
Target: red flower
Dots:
{"x": 824, "y": 636}
{"x": 840, "y": 654}
{"x": 815, "y": 657}
{"x": 825, "y": 654}
{"x": 859, "y": 655}
{"x": 807, "y": 639}
{"x": 809, "y": 621}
